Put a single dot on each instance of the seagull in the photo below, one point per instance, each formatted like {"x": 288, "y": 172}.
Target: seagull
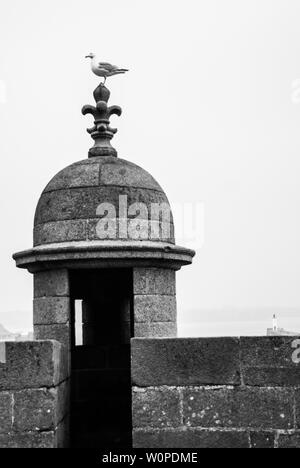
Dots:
{"x": 104, "y": 69}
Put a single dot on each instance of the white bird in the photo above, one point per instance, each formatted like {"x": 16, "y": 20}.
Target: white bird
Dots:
{"x": 104, "y": 69}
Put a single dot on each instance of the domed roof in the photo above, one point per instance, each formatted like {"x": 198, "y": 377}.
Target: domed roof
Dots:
{"x": 90, "y": 199}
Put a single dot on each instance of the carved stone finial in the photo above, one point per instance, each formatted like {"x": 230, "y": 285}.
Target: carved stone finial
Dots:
{"x": 101, "y": 132}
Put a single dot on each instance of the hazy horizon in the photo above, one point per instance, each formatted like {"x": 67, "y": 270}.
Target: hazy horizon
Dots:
{"x": 211, "y": 108}
{"x": 201, "y": 322}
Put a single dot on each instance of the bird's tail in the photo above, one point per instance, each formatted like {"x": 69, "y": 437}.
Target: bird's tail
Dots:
{"x": 122, "y": 70}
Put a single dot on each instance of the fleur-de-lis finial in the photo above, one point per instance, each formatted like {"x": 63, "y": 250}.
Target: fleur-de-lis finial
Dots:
{"x": 101, "y": 132}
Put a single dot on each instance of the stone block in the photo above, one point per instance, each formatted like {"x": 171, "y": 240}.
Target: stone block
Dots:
{"x": 141, "y": 229}
{"x": 257, "y": 408}
{"x": 78, "y": 203}
{"x": 35, "y": 410}
{"x": 60, "y": 231}
{"x": 289, "y": 440}
{"x": 51, "y": 310}
{"x": 28, "y": 440}
{"x": 185, "y": 361}
{"x": 5, "y": 412}
{"x": 60, "y": 332}
{"x": 51, "y": 283}
{"x": 189, "y": 438}
{"x": 262, "y": 439}
{"x": 41, "y": 409}
{"x": 33, "y": 364}
{"x": 154, "y": 281}
{"x": 271, "y": 377}
{"x": 81, "y": 174}
{"x": 156, "y": 407}
{"x": 155, "y": 329}
{"x": 126, "y": 174}
{"x": 154, "y": 308}
{"x": 267, "y": 361}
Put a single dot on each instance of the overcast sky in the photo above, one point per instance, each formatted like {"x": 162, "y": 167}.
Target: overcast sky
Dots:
{"x": 210, "y": 108}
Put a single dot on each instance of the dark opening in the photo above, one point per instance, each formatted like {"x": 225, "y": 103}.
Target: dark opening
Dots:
{"x": 100, "y": 381}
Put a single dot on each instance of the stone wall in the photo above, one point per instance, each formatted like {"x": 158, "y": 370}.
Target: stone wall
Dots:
{"x": 216, "y": 392}
{"x": 34, "y": 395}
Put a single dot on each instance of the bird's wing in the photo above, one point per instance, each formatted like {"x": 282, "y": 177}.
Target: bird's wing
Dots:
{"x": 107, "y": 66}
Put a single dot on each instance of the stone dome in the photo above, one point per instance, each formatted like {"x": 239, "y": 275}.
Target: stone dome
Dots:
{"x": 77, "y": 198}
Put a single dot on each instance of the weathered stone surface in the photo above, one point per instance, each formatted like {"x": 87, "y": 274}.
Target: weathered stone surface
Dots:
{"x": 28, "y": 440}
{"x": 262, "y": 439}
{"x": 35, "y": 409}
{"x": 33, "y": 364}
{"x": 153, "y": 281}
{"x": 116, "y": 228}
{"x": 259, "y": 408}
{"x": 5, "y": 412}
{"x": 62, "y": 402}
{"x": 60, "y": 231}
{"x": 189, "y": 438}
{"x": 60, "y": 332}
{"x": 266, "y": 377}
{"x": 154, "y": 308}
{"x": 51, "y": 283}
{"x": 114, "y": 171}
{"x": 155, "y": 329}
{"x": 289, "y": 440}
{"x": 297, "y": 407}
{"x": 77, "y": 203}
{"x": 185, "y": 361}
{"x": 81, "y": 174}
{"x": 41, "y": 409}
{"x": 267, "y": 361}
{"x": 50, "y": 310}
{"x": 158, "y": 407}
{"x": 121, "y": 172}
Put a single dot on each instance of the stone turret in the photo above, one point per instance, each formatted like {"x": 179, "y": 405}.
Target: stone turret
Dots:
{"x": 104, "y": 255}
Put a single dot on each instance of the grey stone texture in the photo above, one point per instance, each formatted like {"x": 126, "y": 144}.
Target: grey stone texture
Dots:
{"x": 34, "y": 395}
{"x": 289, "y": 440}
{"x": 260, "y": 408}
{"x": 33, "y": 364}
{"x": 40, "y": 409}
{"x": 189, "y": 438}
{"x": 60, "y": 332}
{"x": 51, "y": 310}
{"x": 32, "y": 439}
{"x": 154, "y": 308}
{"x": 185, "y": 361}
{"x": 215, "y": 392}
{"x": 51, "y": 283}
{"x": 6, "y": 403}
{"x": 155, "y": 329}
{"x": 156, "y": 407}
{"x": 154, "y": 281}
{"x": 262, "y": 439}
{"x": 267, "y": 361}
